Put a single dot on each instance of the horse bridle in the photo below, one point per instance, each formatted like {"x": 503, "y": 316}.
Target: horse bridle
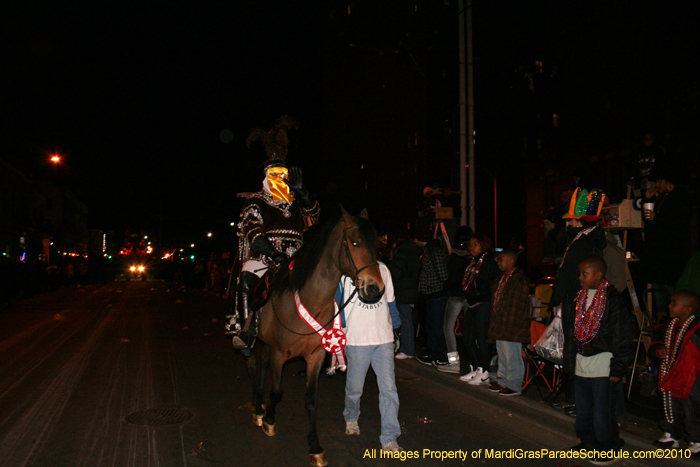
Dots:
{"x": 356, "y": 273}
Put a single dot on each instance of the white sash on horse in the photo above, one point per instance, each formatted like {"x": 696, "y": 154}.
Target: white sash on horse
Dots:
{"x": 333, "y": 340}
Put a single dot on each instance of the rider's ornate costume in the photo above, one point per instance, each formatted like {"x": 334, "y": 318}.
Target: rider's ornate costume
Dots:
{"x": 281, "y": 222}
{"x": 270, "y": 228}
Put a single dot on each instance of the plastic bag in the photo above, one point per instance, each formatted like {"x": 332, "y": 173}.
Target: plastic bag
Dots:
{"x": 551, "y": 343}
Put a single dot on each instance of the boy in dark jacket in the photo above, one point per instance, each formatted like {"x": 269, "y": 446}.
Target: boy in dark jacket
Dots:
{"x": 510, "y": 324}
{"x": 604, "y": 340}
{"x": 680, "y": 373}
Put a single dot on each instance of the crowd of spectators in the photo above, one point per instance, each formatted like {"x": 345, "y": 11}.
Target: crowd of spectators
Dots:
{"x": 483, "y": 295}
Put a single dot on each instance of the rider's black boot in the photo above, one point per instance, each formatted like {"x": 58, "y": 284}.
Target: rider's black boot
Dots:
{"x": 245, "y": 340}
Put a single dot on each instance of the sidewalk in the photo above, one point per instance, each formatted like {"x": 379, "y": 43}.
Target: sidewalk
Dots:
{"x": 639, "y": 434}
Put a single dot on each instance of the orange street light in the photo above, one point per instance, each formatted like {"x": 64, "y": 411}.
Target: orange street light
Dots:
{"x": 56, "y": 158}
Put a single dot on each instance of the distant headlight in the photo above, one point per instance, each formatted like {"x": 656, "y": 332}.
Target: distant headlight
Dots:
{"x": 132, "y": 268}
{"x": 141, "y": 268}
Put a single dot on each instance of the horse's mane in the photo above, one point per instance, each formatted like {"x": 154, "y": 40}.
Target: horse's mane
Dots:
{"x": 309, "y": 255}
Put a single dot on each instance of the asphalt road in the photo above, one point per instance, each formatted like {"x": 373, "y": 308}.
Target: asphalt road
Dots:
{"x": 86, "y": 373}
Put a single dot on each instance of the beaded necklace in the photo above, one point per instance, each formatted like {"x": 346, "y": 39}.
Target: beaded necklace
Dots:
{"x": 583, "y": 232}
{"x": 472, "y": 271}
{"x": 588, "y": 320}
{"x": 674, "y": 338}
{"x": 501, "y": 286}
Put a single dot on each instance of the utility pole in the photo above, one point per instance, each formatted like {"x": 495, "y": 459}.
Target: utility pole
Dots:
{"x": 462, "y": 116}
{"x": 466, "y": 113}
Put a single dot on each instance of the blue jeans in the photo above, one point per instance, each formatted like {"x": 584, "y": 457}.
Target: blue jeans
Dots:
{"x": 408, "y": 334}
{"x": 596, "y": 423}
{"x": 455, "y": 306}
{"x": 381, "y": 357}
{"x": 511, "y": 367}
{"x": 475, "y": 335}
{"x": 435, "y": 316}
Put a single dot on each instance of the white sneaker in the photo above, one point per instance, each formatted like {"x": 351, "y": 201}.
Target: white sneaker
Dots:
{"x": 466, "y": 378}
{"x": 694, "y": 449}
{"x": 402, "y": 356}
{"x": 481, "y": 377}
{"x": 667, "y": 441}
{"x": 352, "y": 428}
{"x": 392, "y": 447}
{"x": 453, "y": 357}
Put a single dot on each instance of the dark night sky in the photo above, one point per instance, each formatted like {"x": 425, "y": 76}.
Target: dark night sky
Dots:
{"x": 135, "y": 97}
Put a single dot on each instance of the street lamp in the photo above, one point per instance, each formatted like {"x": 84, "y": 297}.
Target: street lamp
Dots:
{"x": 55, "y": 158}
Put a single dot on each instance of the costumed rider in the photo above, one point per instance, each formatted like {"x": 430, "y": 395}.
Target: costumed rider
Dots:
{"x": 270, "y": 228}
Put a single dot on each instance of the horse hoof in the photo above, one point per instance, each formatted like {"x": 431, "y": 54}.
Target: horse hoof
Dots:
{"x": 318, "y": 459}
{"x": 257, "y": 419}
{"x": 269, "y": 430}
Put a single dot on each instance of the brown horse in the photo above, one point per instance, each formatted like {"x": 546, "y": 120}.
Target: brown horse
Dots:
{"x": 344, "y": 246}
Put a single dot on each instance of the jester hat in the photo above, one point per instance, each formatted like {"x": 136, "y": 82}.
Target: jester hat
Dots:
{"x": 585, "y": 206}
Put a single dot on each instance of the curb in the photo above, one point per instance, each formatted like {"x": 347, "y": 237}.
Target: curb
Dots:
{"x": 524, "y": 407}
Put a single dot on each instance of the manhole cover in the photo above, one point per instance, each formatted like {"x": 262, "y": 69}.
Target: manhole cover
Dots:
{"x": 159, "y": 416}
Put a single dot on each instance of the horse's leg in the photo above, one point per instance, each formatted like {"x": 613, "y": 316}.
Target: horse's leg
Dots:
{"x": 276, "y": 362}
{"x": 314, "y": 363}
{"x": 256, "y": 365}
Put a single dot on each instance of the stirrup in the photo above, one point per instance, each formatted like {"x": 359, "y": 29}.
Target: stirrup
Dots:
{"x": 243, "y": 341}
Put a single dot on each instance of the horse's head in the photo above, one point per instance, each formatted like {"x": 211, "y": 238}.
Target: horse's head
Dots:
{"x": 359, "y": 257}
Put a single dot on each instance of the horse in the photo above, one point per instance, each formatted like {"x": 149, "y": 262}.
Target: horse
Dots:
{"x": 345, "y": 245}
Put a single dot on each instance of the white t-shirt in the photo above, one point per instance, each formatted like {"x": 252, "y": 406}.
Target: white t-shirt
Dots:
{"x": 369, "y": 324}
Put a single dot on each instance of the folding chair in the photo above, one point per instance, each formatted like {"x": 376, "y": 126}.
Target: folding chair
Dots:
{"x": 537, "y": 367}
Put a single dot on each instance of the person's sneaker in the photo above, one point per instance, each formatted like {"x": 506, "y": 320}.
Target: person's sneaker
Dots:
{"x": 392, "y": 447}
{"x": 604, "y": 461}
{"x": 352, "y": 428}
{"x": 495, "y": 387}
{"x": 466, "y": 378}
{"x": 402, "y": 356}
{"x": 667, "y": 441}
{"x": 425, "y": 360}
{"x": 481, "y": 377}
{"x": 694, "y": 449}
{"x": 440, "y": 362}
{"x": 508, "y": 392}
{"x": 449, "y": 367}
{"x": 562, "y": 405}
{"x": 571, "y": 411}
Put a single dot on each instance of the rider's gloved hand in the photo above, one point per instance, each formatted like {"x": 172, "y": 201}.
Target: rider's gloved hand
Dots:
{"x": 278, "y": 258}
{"x": 264, "y": 246}
{"x": 295, "y": 181}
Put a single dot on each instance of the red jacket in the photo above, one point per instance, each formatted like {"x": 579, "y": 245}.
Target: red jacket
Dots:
{"x": 683, "y": 379}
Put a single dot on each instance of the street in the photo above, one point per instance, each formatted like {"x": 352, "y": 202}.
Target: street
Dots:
{"x": 140, "y": 374}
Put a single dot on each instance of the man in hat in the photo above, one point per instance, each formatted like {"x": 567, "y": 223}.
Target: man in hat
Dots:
{"x": 585, "y": 239}
{"x": 666, "y": 247}
{"x": 270, "y": 228}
